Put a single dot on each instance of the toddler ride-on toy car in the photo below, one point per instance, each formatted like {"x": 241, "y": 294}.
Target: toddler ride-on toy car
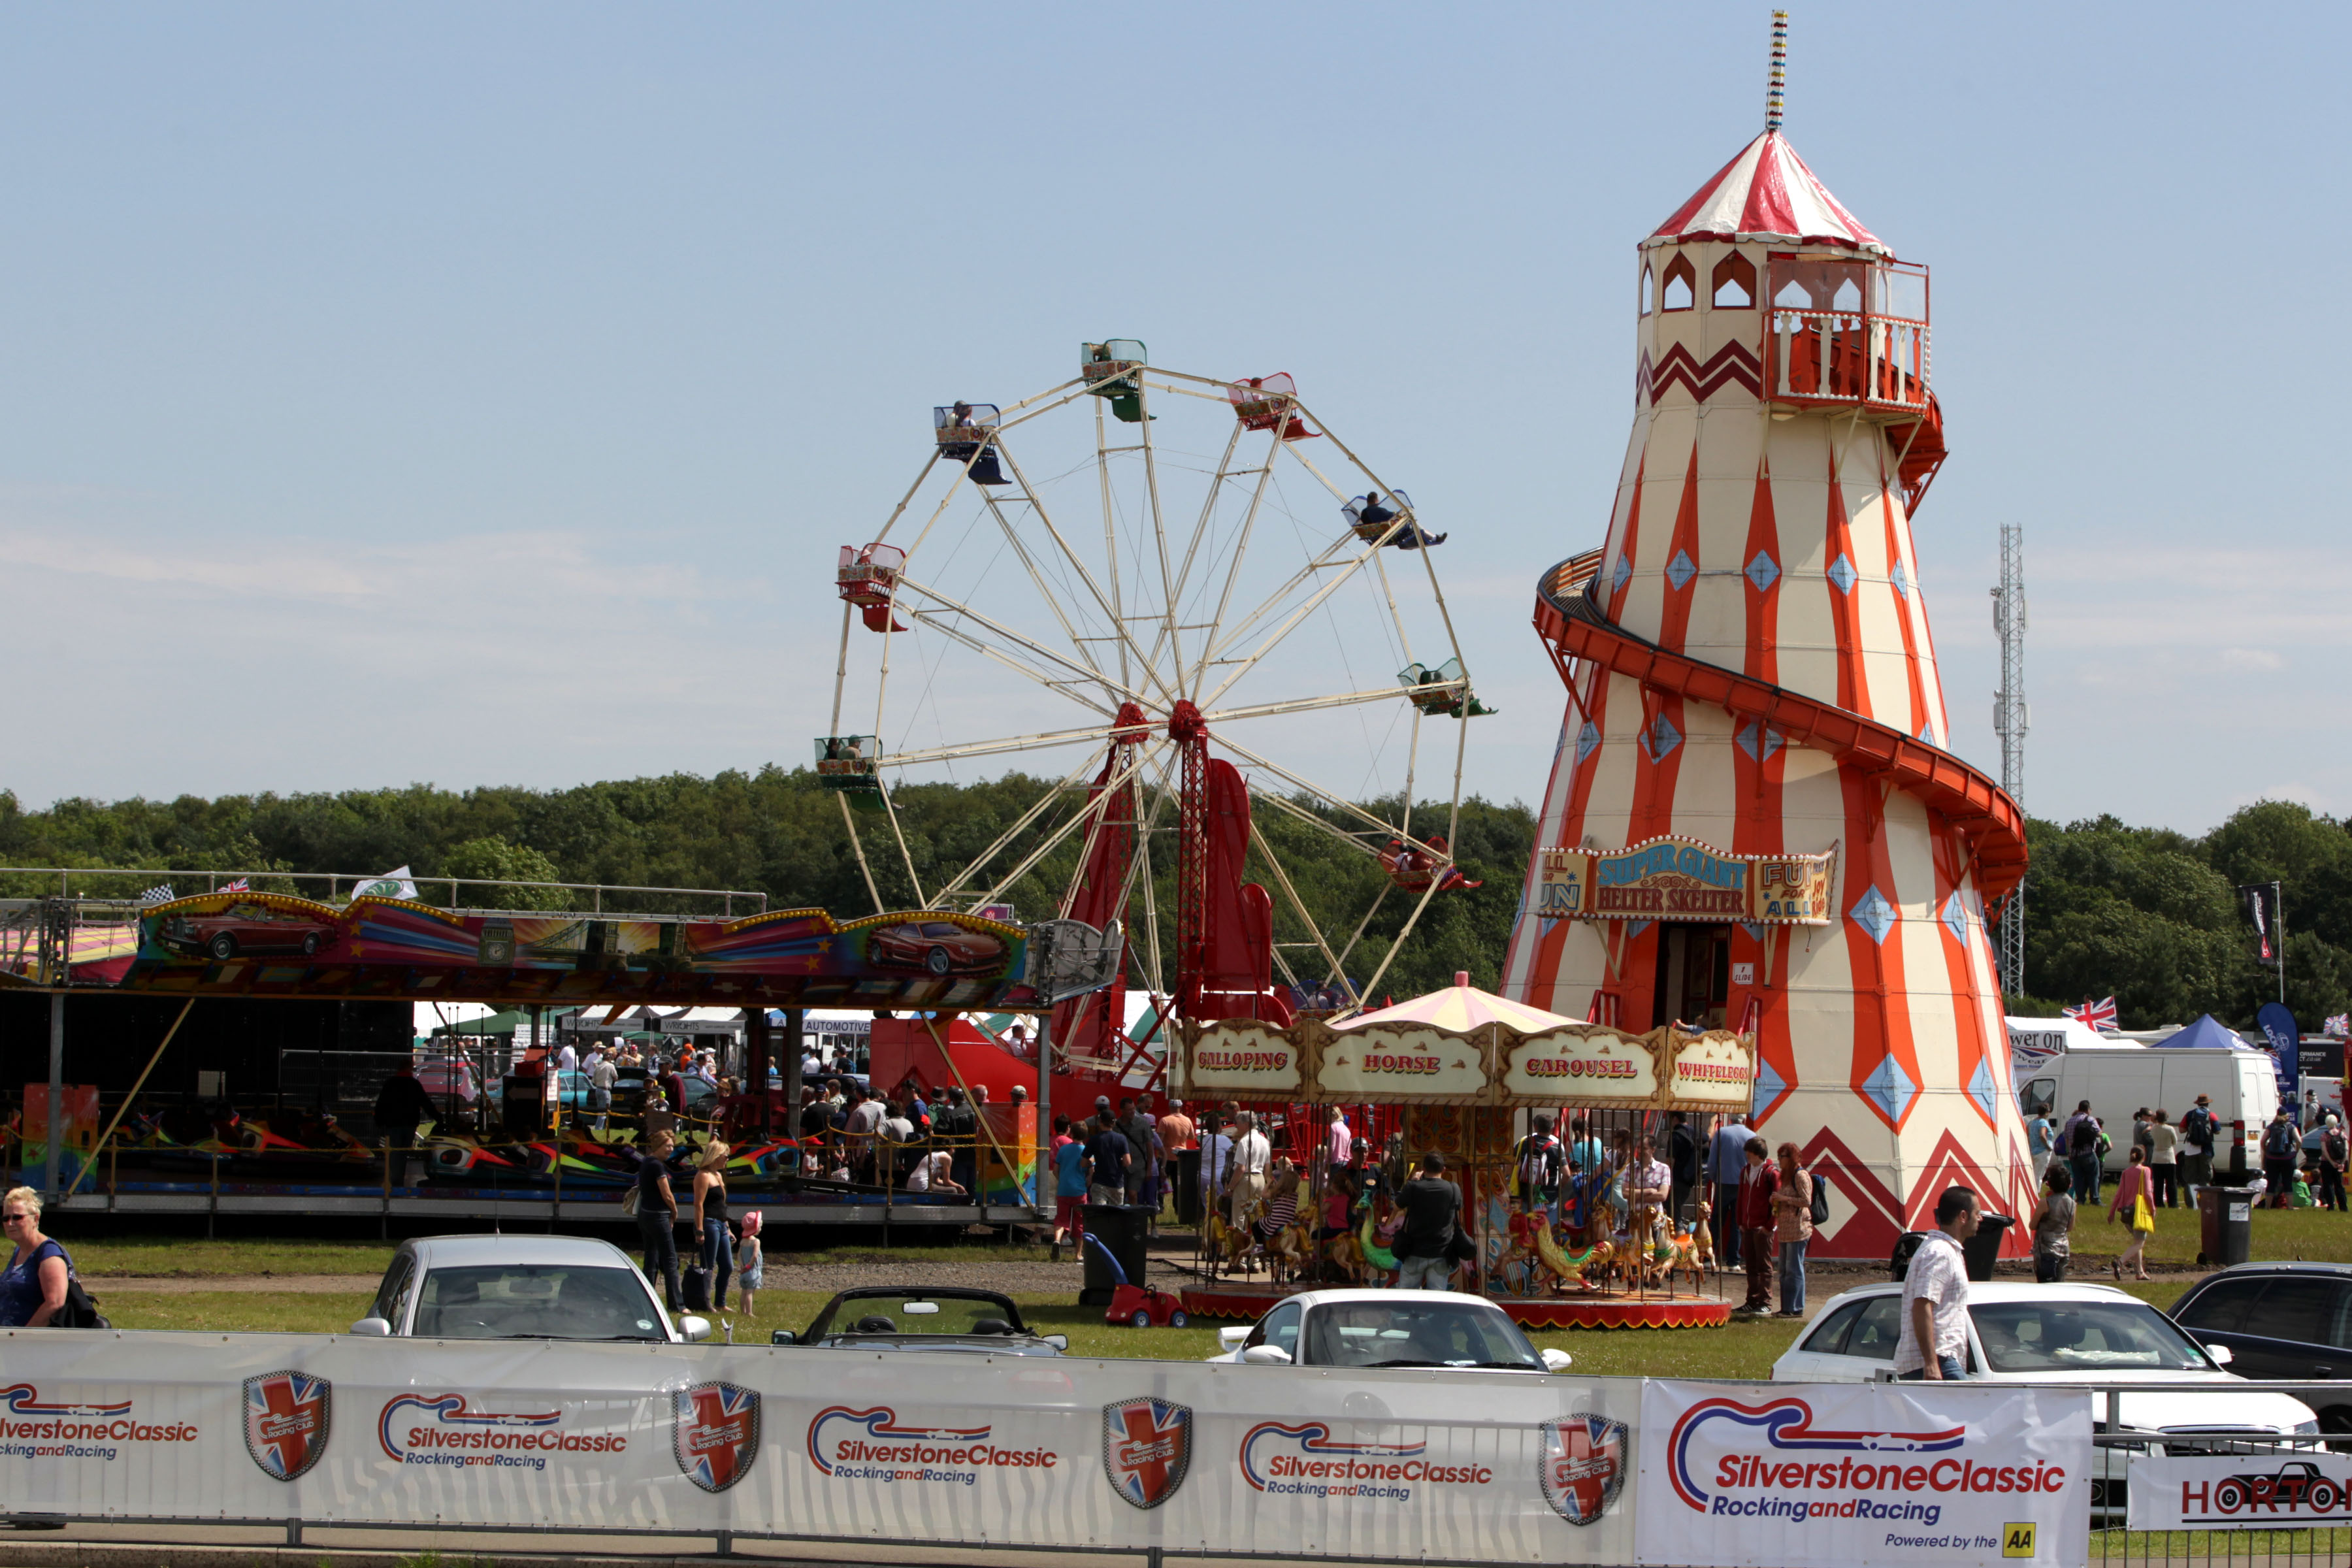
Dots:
{"x": 1138, "y": 1306}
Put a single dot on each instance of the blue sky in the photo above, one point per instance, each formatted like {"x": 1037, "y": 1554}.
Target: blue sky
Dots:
{"x": 479, "y": 393}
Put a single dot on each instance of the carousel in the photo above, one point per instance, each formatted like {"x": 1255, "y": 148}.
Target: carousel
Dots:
{"x": 1465, "y": 1074}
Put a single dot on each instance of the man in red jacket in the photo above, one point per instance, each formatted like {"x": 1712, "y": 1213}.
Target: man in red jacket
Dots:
{"x": 1757, "y": 1181}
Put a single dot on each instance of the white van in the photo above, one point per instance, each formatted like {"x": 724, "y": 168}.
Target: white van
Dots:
{"x": 2119, "y": 1078}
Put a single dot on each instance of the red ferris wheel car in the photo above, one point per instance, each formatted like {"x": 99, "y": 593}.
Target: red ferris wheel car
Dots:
{"x": 241, "y": 927}
{"x": 938, "y": 946}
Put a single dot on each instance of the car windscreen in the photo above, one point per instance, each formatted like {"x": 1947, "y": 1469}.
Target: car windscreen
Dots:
{"x": 553, "y": 1302}
{"x": 1415, "y": 1333}
{"x": 915, "y": 1313}
{"x": 2082, "y": 1337}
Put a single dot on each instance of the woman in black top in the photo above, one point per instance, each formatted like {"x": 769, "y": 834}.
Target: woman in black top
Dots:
{"x": 657, "y": 1216}
{"x": 710, "y": 1219}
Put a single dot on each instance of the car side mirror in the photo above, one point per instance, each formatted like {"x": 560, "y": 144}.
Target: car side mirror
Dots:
{"x": 783, "y": 1337}
{"x": 1059, "y": 1342}
{"x": 694, "y": 1330}
{"x": 1266, "y": 1355}
{"x": 2220, "y": 1355}
{"x": 1231, "y": 1336}
{"x": 376, "y": 1328}
{"x": 1555, "y": 1360}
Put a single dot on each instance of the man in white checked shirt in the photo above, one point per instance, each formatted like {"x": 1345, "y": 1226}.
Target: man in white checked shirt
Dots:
{"x": 1245, "y": 1179}
{"x": 1934, "y": 1342}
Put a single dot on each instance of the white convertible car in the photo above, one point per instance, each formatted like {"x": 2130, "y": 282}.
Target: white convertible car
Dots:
{"x": 1366, "y": 1328}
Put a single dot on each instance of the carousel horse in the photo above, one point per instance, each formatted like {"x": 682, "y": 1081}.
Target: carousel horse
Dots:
{"x": 1369, "y": 1242}
{"x": 1702, "y": 1238}
{"x": 1343, "y": 1257}
{"x": 1575, "y": 1267}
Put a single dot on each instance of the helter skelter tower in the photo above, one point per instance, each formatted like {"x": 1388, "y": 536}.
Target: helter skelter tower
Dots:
{"x": 1752, "y": 681}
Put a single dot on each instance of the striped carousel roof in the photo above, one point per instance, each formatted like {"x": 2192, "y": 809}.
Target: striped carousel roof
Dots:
{"x": 1461, "y": 1006}
{"x": 1767, "y": 193}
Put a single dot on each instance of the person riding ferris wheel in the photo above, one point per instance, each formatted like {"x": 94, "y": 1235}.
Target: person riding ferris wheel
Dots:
{"x": 1251, "y": 636}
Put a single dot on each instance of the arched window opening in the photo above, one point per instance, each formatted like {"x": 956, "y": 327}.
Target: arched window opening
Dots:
{"x": 1733, "y": 283}
{"x": 1848, "y": 296}
{"x": 1682, "y": 285}
{"x": 1648, "y": 287}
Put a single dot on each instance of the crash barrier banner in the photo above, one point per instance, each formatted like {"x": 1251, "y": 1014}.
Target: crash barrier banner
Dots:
{"x": 2259, "y": 1490}
{"x": 1817, "y": 1475}
{"x": 754, "y": 1440}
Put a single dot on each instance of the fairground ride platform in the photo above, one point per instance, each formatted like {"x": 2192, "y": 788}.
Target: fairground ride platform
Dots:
{"x": 248, "y": 944}
{"x": 1249, "y": 1303}
{"x": 509, "y": 1205}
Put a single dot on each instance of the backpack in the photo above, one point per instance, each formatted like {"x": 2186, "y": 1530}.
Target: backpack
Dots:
{"x": 80, "y": 1310}
{"x": 1820, "y": 1213}
{"x": 2281, "y": 1141}
{"x": 2197, "y": 1128}
{"x": 2084, "y": 1139}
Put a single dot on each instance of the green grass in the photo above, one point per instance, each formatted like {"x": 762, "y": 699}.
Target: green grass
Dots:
{"x": 1738, "y": 1349}
{"x": 241, "y": 1312}
{"x": 1741, "y": 1349}
{"x": 180, "y": 1256}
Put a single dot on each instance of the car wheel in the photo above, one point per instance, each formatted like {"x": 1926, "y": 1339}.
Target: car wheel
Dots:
{"x": 1141, "y": 1320}
{"x": 2336, "y": 1422}
{"x": 2322, "y": 1498}
{"x": 1178, "y": 1319}
{"x": 222, "y": 947}
{"x": 309, "y": 943}
{"x": 938, "y": 962}
{"x": 2229, "y": 1497}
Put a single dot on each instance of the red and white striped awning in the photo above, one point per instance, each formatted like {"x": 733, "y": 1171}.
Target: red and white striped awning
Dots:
{"x": 1767, "y": 193}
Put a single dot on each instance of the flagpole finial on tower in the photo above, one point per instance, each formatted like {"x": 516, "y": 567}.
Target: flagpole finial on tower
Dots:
{"x": 1776, "y": 95}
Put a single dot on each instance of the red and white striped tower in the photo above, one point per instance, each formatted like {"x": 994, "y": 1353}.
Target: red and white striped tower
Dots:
{"x": 1750, "y": 665}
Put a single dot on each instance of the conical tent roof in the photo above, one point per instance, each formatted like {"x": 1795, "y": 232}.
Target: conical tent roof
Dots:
{"x": 2205, "y": 1031}
{"x": 1461, "y": 1007}
{"x": 1767, "y": 193}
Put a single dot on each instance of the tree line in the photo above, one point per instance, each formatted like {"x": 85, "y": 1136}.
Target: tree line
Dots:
{"x": 2149, "y": 915}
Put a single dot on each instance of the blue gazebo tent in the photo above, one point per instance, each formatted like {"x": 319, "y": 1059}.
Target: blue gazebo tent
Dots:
{"x": 2205, "y": 1031}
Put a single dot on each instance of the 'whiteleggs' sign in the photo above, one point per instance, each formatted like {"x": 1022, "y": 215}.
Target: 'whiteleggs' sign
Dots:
{"x": 1826, "y": 1476}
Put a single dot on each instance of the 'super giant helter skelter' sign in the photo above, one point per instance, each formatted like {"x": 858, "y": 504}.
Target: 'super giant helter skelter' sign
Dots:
{"x": 1683, "y": 879}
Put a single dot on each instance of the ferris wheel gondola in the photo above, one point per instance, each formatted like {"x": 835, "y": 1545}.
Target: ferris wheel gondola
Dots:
{"x": 1188, "y": 607}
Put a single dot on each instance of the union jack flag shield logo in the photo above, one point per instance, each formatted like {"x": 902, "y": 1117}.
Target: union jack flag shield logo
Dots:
{"x": 1583, "y": 1465}
{"x": 1147, "y": 1449}
{"x": 287, "y": 1416}
{"x": 718, "y": 1433}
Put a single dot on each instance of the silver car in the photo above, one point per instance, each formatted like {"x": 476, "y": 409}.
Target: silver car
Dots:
{"x": 520, "y": 1288}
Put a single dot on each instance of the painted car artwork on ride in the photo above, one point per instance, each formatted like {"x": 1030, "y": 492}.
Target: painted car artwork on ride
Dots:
{"x": 938, "y": 946}
{"x": 383, "y": 947}
{"x": 245, "y": 926}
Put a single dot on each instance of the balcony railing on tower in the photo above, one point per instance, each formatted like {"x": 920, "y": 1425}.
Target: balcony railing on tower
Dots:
{"x": 1838, "y": 331}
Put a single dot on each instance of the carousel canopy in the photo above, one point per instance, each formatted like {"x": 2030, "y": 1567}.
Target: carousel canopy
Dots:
{"x": 1461, "y": 1006}
{"x": 1767, "y": 193}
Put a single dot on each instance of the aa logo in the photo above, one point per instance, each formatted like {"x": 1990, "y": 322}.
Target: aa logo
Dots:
{"x": 2017, "y": 1540}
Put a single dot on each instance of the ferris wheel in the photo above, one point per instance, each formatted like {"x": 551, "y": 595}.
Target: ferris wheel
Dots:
{"x": 1213, "y": 638}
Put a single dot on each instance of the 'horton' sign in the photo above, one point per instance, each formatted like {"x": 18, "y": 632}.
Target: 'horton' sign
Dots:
{"x": 1683, "y": 879}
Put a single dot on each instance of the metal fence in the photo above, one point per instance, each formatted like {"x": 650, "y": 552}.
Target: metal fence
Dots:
{"x": 2266, "y": 1543}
